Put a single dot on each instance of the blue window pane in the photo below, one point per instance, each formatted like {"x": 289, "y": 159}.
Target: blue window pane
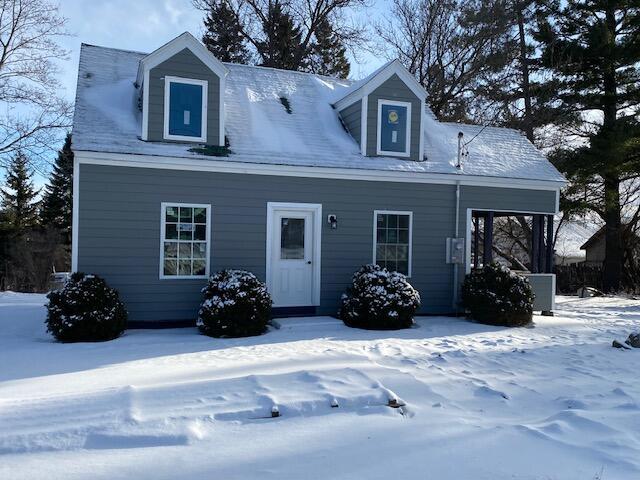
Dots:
{"x": 185, "y": 109}
{"x": 393, "y": 131}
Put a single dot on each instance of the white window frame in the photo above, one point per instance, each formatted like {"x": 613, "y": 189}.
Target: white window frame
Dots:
{"x": 375, "y": 234}
{"x": 163, "y": 231}
{"x": 168, "y": 80}
{"x": 379, "y": 151}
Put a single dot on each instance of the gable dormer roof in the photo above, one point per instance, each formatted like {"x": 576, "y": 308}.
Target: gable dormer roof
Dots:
{"x": 185, "y": 41}
{"x": 374, "y": 80}
{"x": 169, "y": 49}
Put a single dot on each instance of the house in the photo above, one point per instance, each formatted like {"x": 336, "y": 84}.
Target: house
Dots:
{"x": 594, "y": 247}
{"x": 185, "y": 166}
{"x": 570, "y": 238}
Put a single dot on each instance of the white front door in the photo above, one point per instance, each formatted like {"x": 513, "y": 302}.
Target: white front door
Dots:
{"x": 292, "y": 256}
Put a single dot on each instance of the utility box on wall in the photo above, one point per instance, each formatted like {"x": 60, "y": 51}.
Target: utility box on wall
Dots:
{"x": 455, "y": 250}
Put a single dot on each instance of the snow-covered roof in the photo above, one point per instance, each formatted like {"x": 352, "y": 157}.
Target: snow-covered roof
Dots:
{"x": 571, "y": 237}
{"x": 259, "y": 130}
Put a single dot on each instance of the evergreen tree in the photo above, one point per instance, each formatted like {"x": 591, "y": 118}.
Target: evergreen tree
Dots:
{"x": 281, "y": 46}
{"x": 328, "y": 55}
{"x": 57, "y": 202}
{"x": 592, "y": 47}
{"x": 20, "y": 208}
{"x": 223, "y": 34}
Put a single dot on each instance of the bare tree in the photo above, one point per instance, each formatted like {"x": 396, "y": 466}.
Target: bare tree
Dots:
{"x": 457, "y": 49}
{"x": 29, "y": 30}
{"x": 308, "y": 15}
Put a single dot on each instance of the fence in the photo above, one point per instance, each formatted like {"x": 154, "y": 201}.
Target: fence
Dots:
{"x": 571, "y": 277}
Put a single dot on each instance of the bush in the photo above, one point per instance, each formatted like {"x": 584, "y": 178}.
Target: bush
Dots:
{"x": 379, "y": 300}
{"x": 86, "y": 309}
{"x": 497, "y": 296}
{"x": 236, "y": 304}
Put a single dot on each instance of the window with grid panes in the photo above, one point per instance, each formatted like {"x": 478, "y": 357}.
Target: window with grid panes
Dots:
{"x": 185, "y": 241}
{"x": 393, "y": 241}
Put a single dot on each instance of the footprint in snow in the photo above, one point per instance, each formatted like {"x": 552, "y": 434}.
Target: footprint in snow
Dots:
{"x": 488, "y": 392}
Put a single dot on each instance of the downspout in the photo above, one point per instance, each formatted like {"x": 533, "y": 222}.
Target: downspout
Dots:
{"x": 455, "y": 265}
{"x": 457, "y": 227}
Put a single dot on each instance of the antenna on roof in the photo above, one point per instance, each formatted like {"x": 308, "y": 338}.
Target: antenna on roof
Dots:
{"x": 462, "y": 150}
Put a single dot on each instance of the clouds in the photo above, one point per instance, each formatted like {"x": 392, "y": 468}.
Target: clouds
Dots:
{"x": 141, "y": 25}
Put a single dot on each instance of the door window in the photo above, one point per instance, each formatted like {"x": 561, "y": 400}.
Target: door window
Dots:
{"x": 292, "y": 238}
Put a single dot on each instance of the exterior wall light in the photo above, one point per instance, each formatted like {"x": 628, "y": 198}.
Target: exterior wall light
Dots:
{"x": 333, "y": 221}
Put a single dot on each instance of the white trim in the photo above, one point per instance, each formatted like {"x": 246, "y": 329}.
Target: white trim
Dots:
{"x": 163, "y": 219}
{"x": 250, "y": 168}
{"x": 75, "y": 217}
{"x": 316, "y": 208}
{"x": 168, "y": 80}
{"x": 394, "y": 67}
{"x": 145, "y": 107}
{"x": 467, "y": 240}
{"x": 422, "y": 133}
{"x": 467, "y": 243}
{"x": 375, "y": 236}
{"x": 379, "y": 151}
{"x": 182, "y": 41}
{"x": 364, "y": 109}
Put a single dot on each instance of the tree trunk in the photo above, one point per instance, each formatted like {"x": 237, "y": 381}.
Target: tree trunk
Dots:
{"x": 613, "y": 244}
{"x": 524, "y": 71}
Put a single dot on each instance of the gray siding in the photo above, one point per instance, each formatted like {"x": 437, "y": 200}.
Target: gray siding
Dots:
{"x": 183, "y": 64}
{"x": 351, "y": 117}
{"x": 119, "y": 231}
{"x": 393, "y": 89}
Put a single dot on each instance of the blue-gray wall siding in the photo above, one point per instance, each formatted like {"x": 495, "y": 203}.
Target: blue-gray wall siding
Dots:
{"x": 351, "y": 117}
{"x": 183, "y": 64}
{"x": 119, "y": 229}
{"x": 394, "y": 89}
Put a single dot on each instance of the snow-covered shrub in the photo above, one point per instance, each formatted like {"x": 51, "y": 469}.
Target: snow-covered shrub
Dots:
{"x": 86, "y": 309}
{"x": 236, "y": 304}
{"x": 497, "y": 296}
{"x": 379, "y": 300}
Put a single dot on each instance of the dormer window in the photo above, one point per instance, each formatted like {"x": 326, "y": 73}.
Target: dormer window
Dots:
{"x": 394, "y": 128}
{"x": 185, "y": 109}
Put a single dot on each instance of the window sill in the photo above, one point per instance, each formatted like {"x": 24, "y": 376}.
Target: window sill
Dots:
{"x": 183, "y": 277}
{"x": 393, "y": 154}
{"x": 184, "y": 138}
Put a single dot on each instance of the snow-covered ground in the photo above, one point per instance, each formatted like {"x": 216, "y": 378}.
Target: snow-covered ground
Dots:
{"x": 550, "y": 402}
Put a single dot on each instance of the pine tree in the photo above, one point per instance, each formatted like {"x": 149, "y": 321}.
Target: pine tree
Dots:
{"x": 223, "y": 34}
{"x": 328, "y": 55}
{"x": 20, "y": 208}
{"x": 57, "y": 200}
{"x": 593, "y": 48}
{"x": 281, "y": 46}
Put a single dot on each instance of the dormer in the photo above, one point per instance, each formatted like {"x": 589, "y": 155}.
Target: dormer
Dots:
{"x": 384, "y": 113}
{"x": 182, "y": 86}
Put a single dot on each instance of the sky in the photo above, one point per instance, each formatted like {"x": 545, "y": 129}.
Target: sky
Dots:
{"x": 141, "y": 25}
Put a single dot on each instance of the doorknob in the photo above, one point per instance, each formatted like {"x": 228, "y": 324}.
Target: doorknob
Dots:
{"x": 309, "y": 262}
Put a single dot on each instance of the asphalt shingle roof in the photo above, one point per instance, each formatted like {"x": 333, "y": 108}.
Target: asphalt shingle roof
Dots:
{"x": 107, "y": 119}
